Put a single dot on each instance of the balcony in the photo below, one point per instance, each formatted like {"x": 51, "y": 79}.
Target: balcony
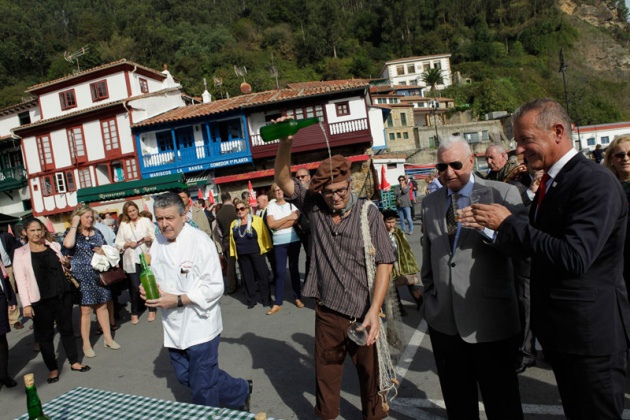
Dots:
{"x": 316, "y": 136}
{"x": 206, "y": 155}
{"x": 12, "y": 178}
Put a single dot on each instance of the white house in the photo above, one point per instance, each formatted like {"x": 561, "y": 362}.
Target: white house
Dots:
{"x": 83, "y": 137}
{"x": 408, "y": 71}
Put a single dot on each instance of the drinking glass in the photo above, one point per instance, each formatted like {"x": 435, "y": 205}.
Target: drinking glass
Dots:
{"x": 481, "y": 196}
{"x": 358, "y": 336}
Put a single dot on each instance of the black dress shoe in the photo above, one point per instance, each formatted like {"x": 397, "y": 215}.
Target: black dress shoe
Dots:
{"x": 8, "y": 382}
{"x": 82, "y": 369}
{"x": 250, "y": 305}
{"x": 245, "y": 406}
{"x": 522, "y": 366}
{"x": 53, "y": 380}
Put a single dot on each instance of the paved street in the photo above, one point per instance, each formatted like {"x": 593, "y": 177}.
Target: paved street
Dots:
{"x": 275, "y": 351}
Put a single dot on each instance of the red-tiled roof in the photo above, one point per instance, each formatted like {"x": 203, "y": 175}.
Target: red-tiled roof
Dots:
{"x": 336, "y": 83}
{"x": 416, "y": 58}
{"x": 95, "y": 69}
{"x": 93, "y": 108}
{"x": 252, "y": 99}
{"x": 26, "y": 104}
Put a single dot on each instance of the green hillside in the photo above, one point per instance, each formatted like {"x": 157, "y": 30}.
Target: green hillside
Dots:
{"x": 508, "y": 48}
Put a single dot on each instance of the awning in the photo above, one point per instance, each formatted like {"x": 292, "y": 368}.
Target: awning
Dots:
{"x": 6, "y": 219}
{"x": 131, "y": 188}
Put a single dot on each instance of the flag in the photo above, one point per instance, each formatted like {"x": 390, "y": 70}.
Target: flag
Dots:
{"x": 199, "y": 193}
{"x": 146, "y": 207}
{"x": 49, "y": 226}
{"x": 211, "y": 197}
{"x": 384, "y": 184}
{"x": 252, "y": 195}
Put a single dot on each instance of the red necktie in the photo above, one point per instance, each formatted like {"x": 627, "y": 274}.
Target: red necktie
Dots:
{"x": 542, "y": 189}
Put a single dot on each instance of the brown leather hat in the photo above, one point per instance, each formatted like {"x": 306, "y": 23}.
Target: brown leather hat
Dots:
{"x": 331, "y": 170}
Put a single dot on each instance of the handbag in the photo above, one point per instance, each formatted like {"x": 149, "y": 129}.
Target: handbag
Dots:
{"x": 112, "y": 276}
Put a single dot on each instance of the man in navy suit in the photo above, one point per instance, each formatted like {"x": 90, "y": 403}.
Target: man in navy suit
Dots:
{"x": 575, "y": 236}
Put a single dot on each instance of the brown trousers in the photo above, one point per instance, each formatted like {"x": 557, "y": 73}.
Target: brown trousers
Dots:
{"x": 331, "y": 346}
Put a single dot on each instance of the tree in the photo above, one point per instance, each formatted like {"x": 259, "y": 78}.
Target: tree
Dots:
{"x": 432, "y": 77}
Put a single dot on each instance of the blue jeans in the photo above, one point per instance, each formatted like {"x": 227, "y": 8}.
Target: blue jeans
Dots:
{"x": 197, "y": 367}
{"x": 292, "y": 250}
{"x": 404, "y": 213}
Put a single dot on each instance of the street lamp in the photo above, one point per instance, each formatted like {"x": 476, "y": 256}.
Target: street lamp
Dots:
{"x": 434, "y": 107}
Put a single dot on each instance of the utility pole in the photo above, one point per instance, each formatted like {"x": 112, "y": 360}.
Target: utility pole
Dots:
{"x": 434, "y": 106}
{"x": 563, "y": 70}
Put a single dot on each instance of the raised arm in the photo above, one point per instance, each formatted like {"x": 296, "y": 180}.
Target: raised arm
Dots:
{"x": 282, "y": 167}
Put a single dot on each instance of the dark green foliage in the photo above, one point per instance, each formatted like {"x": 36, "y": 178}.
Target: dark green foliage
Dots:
{"x": 508, "y": 48}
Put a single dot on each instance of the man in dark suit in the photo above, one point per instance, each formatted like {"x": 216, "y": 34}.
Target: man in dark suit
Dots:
{"x": 470, "y": 300}
{"x": 580, "y": 310}
{"x": 225, "y": 216}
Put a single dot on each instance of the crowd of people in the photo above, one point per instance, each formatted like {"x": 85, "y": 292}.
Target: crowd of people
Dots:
{"x": 544, "y": 257}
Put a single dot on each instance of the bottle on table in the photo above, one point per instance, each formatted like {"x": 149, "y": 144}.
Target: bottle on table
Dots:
{"x": 33, "y": 403}
{"x": 285, "y": 128}
{"x": 148, "y": 280}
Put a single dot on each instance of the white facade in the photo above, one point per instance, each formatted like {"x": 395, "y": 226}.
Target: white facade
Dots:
{"x": 90, "y": 143}
{"x": 408, "y": 71}
{"x": 592, "y": 135}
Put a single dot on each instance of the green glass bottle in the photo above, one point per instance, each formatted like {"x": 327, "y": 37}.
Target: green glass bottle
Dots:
{"x": 285, "y": 128}
{"x": 33, "y": 403}
{"x": 148, "y": 280}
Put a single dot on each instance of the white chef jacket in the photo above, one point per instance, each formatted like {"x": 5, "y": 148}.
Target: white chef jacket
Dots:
{"x": 189, "y": 265}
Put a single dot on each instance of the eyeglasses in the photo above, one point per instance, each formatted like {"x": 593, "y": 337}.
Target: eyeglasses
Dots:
{"x": 241, "y": 208}
{"x": 622, "y": 155}
{"x": 401, "y": 179}
{"x": 443, "y": 165}
{"x": 341, "y": 192}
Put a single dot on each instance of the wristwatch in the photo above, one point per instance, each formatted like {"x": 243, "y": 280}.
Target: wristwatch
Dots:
{"x": 180, "y": 304}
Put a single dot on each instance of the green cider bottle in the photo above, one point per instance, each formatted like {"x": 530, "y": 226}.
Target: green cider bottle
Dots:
{"x": 285, "y": 128}
{"x": 148, "y": 280}
{"x": 33, "y": 403}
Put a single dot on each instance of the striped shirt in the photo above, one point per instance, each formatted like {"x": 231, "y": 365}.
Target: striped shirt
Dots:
{"x": 337, "y": 277}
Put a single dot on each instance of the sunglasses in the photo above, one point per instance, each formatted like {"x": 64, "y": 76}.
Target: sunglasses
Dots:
{"x": 443, "y": 165}
{"x": 302, "y": 176}
{"x": 241, "y": 208}
{"x": 621, "y": 155}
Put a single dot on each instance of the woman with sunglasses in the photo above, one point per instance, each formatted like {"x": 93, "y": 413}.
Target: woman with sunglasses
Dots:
{"x": 281, "y": 217}
{"x": 403, "y": 203}
{"x": 249, "y": 240}
{"x": 617, "y": 159}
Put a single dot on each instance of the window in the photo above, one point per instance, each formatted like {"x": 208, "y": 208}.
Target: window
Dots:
{"x": 390, "y": 121}
{"x": 144, "y": 85}
{"x": 67, "y": 99}
{"x": 398, "y": 135}
{"x": 605, "y": 140}
{"x": 591, "y": 141}
{"x": 99, "y": 90}
{"x": 381, "y": 100}
{"x": 25, "y": 118}
{"x": 185, "y": 137}
{"x": 76, "y": 143}
{"x": 411, "y": 69}
{"x": 64, "y": 182}
{"x": 405, "y": 135}
{"x": 403, "y": 83}
{"x": 131, "y": 169}
{"x": 392, "y": 136}
{"x": 310, "y": 111}
{"x": 44, "y": 150}
{"x": 110, "y": 135}
{"x": 47, "y": 185}
{"x": 85, "y": 181}
{"x": 437, "y": 65}
{"x": 403, "y": 119}
{"x": 164, "y": 141}
{"x": 343, "y": 108}
{"x": 400, "y": 70}
{"x": 413, "y": 82}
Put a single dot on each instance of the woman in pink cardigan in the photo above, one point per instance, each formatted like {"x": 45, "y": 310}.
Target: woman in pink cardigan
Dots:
{"x": 46, "y": 295}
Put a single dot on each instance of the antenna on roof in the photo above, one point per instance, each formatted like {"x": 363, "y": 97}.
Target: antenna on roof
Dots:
{"x": 273, "y": 71}
{"x": 242, "y": 71}
{"x": 74, "y": 57}
{"x": 218, "y": 82}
